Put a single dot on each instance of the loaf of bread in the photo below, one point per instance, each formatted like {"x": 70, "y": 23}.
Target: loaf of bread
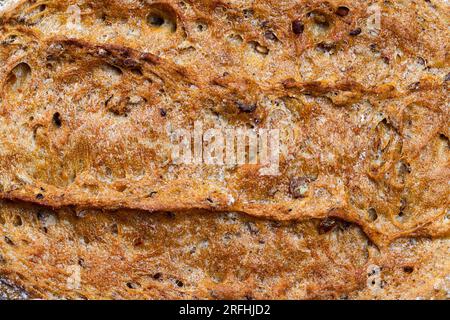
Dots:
{"x": 346, "y": 194}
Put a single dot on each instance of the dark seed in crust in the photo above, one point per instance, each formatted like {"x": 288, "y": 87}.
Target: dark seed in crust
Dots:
{"x": 157, "y": 276}
{"x": 57, "y": 119}
{"x": 297, "y": 27}
{"x": 342, "y": 11}
{"x": 355, "y": 32}
{"x": 247, "y": 108}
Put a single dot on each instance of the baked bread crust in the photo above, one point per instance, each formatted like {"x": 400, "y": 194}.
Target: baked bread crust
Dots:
{"x": 82, "y": 86}
{"x": 204, "y": 255}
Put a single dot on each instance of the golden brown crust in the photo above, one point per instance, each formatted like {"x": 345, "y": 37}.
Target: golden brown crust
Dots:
{"x": 200, "y": 255}
{"x": 83, "y": 83}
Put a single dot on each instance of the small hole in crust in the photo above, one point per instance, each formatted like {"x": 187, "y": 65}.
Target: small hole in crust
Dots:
{"x": 133, "y": 285}
{"x": 17, "y": 221}
{"x": 447, "y": 77}
{"x": 179, "y": 283}
{"x": 138, "y": 242}
{"x": 327, "y": 47}
{"x": 81, "y": 263}
{"x": 262, "y": 50}
{"x": 57, "y": 119}
{"x": 297, "y": 27}
{"x": 19, "y": 76}
{"x": 270, "y": 35}
{"x": 115, "y": 229}
{"x": 355, "y": 32}
{"x": 320, "y": 20}
{"x": 170, "y": 215}
{"x": 137, "y": 72}
{"x": 235, "y": 39}
{"x": 408, "y": 269}
{"x": 372, "y": 214}
{"x": 157, "y": 276}
{"x": 9, "y": 241}
{"x": 9, "y": 40}
{"x": 446, "y": 216}
{"x": 202, "y": 26}
{"x": 155, "y": 20}
{"x": 248, "y": 13}
{"x": 162, "y": 16}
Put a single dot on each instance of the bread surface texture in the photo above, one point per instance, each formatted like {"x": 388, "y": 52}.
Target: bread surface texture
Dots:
{"x": 93, "y": 203}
